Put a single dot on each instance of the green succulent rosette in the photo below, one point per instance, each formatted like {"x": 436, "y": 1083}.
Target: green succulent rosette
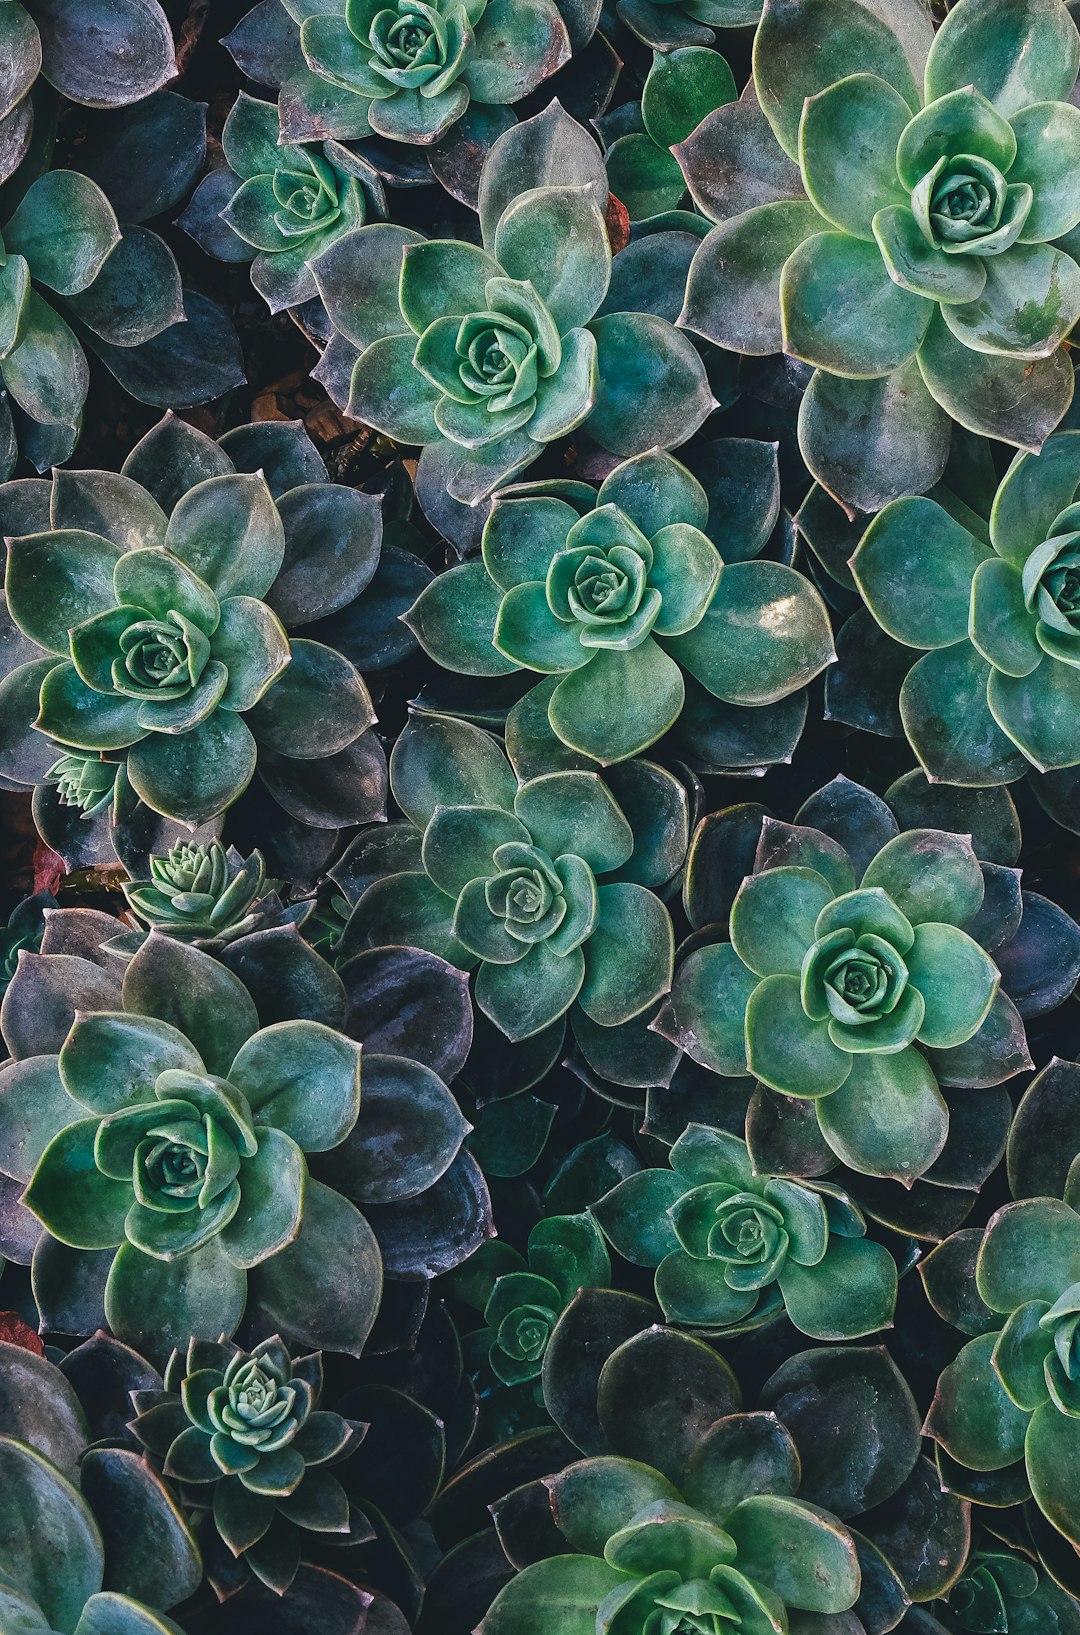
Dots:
{"x": 245, "y": 1436}
{"x": 613, "y": 595}
{"x": 850, "y": 989}
{"x": 278, "y": 204}
{"x": 485, "y": 355}
{"x": 522, "y": 1297}
{"x": 516, "y": 886}
{"x": 23, "y": 929}
{"x": 201, "y": 893}
{"x": 187, "y": 1165}
{"x": 931, "y": 178}
{"x": 733, "y": 1249}
{"x": 996, "y": 615}
{"x": 742, "y": 1555}
{"x": 157, "y": 603}
{"x": 86, "y": 782}
{"x": 408, "y": 70}
{"x": 1013, "y": 1392}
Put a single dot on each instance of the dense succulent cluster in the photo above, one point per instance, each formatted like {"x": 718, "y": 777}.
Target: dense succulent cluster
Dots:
{"x": 539, "y": 796}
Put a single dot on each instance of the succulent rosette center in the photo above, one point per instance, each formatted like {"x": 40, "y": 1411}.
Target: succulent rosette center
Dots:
{"x": 255, "y": 1406}
{"x": 501, "y": 366}
{"x": 860, "y": 978}
{"x": 160, "y": 658}
{"x": 307, "y": 201}
{"x": 182, "y": 1154}
{"x": 688, "y": 1583}
{"x": 959, "y": 203}
{"x": 527, "y": 893}
{"x": 742, "y": 1230}
{"x": 601, "y": 581}
{"x": 1051, "y": 585}
{"x": 413, "y": 46}
{"x": 191, "y": 870}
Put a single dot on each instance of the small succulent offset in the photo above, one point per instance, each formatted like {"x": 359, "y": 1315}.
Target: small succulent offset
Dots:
{"x": 161, "y": 612}
{"x": 522, "y": 1297}
{"x": 244, "y": 1435}
{"x": 24, "y": 928}
{"x": 277, "y": 205}
{"x": 936, "y": 185}
{"x": 615, "y": 594}
{"x": 709, "y": 1557}
{"x": 497, "y": 351}
{"x": 1001, "y": 620}
{"x": 83, "y": 781}
{"x": 515, "y": 885}
{"x": 408, "y": 70}
{"x": 733, "y": 1249}
{"x": 203, "y": 894}
{"x": 1013, "y": 1392}
{"x": 830, "y": 983}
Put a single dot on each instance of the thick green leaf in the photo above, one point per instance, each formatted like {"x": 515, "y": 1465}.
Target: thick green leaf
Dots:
{"x": 575, "y": 812}
{"x": 774, "y": 916}
{"x": 851, "y": 1292}
{"x": 847, "y": 151}
{"x": 70, "y": 1196}
{"x": 156, "y": 1305}
{"x": 441, "y": 762}
{"x": 1031, "y": 1251}
{"x": 766, "y": 634}
{"x": 562, "y": 1593}
{"x": 957, "y": 981}
{"x": 733, "y": 290}
{"x": 42, "y": 1517}
{"x": 1052, "y": 1452}
{"x": 875, "y": 329}
{"x": 972, "y": 1416}
{"x": 930, "y": 876}
{"x": 844, "y": 424}
{"x": 801, "y": 49}
{"x": 65, "y": 227}
{"x": 786, "y": 1050}
{"x": 326, "y": 1302}
{"x": 888, "y": 1118}
{"x": 797, "y": 1550}
{"x": 1014, "y": 51}
{"x": 914, "y": 567}
{"x": 943, "y": 705}
{"x": 1018, "y": 400}
{"x": 619, "y": 703}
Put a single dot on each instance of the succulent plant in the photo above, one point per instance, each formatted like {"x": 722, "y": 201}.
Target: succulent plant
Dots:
{"x": 515, "y": 881}
{"x": 86, "y": 782}
{"x": 925, "y": 175}
{"x": 521, "y": 1297}
{"x": 23, "y": 929}
{"x": 1013, "y": 1392}
{"x": 408, "y": 71}
{"x": 159, "y": 609}
{"x": 245, "y": 1436}
{"x": 613, "y": 595}
{"x": 733, "y": 1249}
{"x": 1000, "y": 629}
{"x": 499, "y": 350}
{"x": 1002, "y": 1590}
{"x": 200, "y": 893}
{"x": 169, "y": 1138}
{"x": 724, "y": 1546}
{"x": 277, "y": 206}
{"x": 832, "y": 979}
